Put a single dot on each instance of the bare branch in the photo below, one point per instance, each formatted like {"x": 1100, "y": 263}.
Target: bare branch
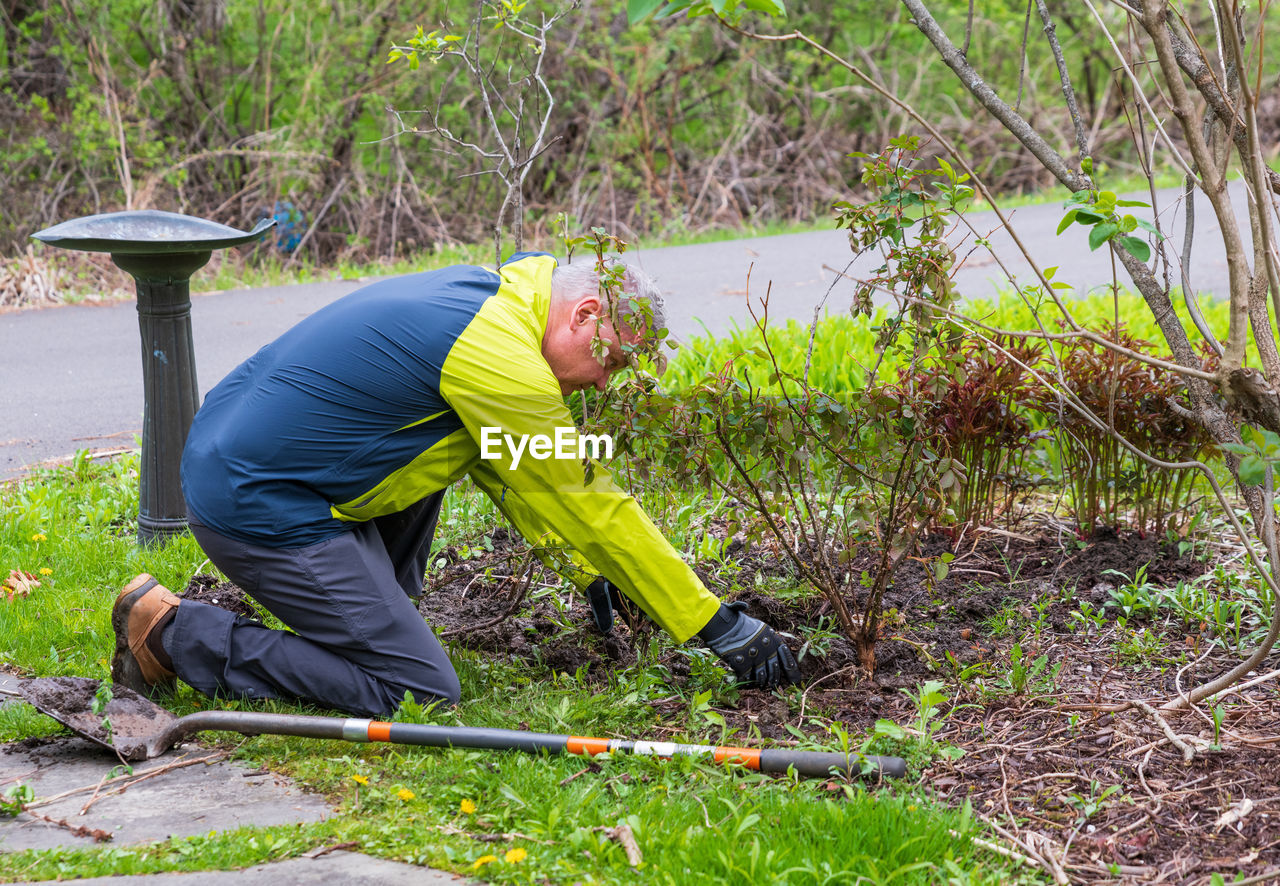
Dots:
{"x": 1064, "y": 76}
{"x": 996, "y": 106}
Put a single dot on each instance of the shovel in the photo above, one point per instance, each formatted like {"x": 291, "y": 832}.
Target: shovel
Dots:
{"x": 140, "y": 730}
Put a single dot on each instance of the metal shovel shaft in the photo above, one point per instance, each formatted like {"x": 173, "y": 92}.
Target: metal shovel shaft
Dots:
{"x": 813, "y": 764}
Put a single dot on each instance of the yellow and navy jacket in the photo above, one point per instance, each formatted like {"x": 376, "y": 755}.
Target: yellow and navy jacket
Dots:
{"x": 379, "y": 399}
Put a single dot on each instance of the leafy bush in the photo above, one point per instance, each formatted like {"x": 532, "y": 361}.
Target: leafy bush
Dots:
{"x": 981, "y": 416}
{"x": 1139, "y": 402}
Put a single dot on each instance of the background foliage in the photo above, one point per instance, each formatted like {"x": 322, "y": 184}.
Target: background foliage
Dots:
{"x": 223, "y": 108}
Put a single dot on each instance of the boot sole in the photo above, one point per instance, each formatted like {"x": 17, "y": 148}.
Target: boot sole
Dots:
{"x": 125, "y": 669}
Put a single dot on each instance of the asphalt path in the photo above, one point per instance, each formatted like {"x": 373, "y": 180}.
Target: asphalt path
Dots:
{"x": 71, "y": 378}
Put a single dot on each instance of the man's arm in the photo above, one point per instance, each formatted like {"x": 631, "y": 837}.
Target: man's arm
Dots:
{"x": 565, "y": 560}
{"x": 497, "y": 382}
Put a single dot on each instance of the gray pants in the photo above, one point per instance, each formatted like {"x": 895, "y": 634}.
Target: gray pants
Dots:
{"x": 360, "y": 643}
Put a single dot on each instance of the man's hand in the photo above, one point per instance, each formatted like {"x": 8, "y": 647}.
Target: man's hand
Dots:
{"x": 603, "y": 599}
{"x": 752, "y": 650}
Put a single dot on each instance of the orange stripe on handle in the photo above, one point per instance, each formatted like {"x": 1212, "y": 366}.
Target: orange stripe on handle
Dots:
{"x": 748, "y": 757}
{"x": 578, "y": 744}
{"x": 379, "y": 731}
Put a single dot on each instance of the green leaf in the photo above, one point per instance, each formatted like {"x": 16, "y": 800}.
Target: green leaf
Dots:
{"x": 1131, "y": 203}
{"x": 1136, "y": 247}
{"x": 1101, "y": 234}
{"x": 1067, "y": 220}
{"x": 889, "y": 729}
{"x": 1253, "y": 470}
{"x": 639, "y": 10}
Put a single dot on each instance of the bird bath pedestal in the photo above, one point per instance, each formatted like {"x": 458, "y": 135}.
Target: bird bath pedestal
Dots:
{"x": 161, "y": 250}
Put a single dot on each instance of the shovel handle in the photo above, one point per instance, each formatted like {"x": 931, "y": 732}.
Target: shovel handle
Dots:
{"x": 812, "y": 764}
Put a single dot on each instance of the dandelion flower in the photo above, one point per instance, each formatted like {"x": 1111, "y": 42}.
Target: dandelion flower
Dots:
{"x": 482, "y": 861}
{"x": 515, "y": 856}
{"x": 46, "y": 571}
{"x": 39, "y": 536}
{"x": 405, "y": 794}
{"x": 467, "y": 807}
{"x": 360, "y": 779}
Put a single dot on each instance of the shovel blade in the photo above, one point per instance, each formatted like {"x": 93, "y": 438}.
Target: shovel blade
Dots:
{"x": 130, "y": 725}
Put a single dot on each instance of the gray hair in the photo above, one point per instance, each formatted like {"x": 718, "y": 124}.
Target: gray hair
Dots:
{"x": 573, "y": 281}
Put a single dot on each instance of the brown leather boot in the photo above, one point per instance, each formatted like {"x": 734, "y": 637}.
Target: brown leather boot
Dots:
{"x": 140, "y": 608}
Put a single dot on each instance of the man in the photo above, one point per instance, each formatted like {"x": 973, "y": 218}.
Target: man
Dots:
{"x": 314, "y": 474}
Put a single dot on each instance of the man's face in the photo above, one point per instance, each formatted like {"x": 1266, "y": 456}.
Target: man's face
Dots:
{"x": 572, "y": 358}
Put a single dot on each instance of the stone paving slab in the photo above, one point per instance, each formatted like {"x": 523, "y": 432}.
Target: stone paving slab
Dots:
{"x": 344, "y": 868}
{"x": 179, "y": 802}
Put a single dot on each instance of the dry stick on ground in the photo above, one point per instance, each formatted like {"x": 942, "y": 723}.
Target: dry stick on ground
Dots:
{"x": 78, "y": 830}
{"x": 215, "y": 757}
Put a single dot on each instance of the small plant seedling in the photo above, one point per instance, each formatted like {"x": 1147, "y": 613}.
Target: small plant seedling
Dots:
{"x": 15, "y": 799}
{"x": 101, "y": 699}
{"x": 1099, "y": 798}
{"x": 1035, "y": 675}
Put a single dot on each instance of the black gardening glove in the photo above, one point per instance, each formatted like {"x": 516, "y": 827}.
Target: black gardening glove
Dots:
{"x": 752, "y": 650}
{"x": 606, "y": 599}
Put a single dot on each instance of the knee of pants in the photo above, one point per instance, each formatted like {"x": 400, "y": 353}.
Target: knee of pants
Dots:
{"x": 438, "y": 682}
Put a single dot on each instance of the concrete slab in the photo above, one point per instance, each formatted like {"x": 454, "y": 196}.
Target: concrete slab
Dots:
{"x": 346, "y": 868}
{"x": 8, "y": 684}
{"x": 173, "y": 802}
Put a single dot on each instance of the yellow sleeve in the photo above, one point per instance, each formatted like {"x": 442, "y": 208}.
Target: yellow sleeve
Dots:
{"x": 498, "y": 383}
{"x": 566, "y": 561}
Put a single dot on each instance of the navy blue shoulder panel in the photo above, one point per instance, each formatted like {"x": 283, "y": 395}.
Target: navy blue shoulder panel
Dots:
{"x": 330, "y": 408}
{"x": 517, "y": 256}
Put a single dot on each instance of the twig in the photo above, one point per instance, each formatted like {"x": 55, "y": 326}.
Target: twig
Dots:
{"x": 1142, "y": 778}
{"x": 1236, "y": 689}
{"x": 315, "y": 222}
{"x": 517, "y": 599}
{"x": 626, "y": 838}
{"x": 1188, "y": 752}
{"x": 332, "y": 847}
{"x": 98, "y": 834}
{"x": 805, "y": 695}
{"x": 1041, "y": 846}
{"x": 151, "y": 773}
{"x": 94, "y": 798}
{"x": 997, "y": 848}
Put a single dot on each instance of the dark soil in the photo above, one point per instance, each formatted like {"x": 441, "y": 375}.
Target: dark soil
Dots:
{"x": 208, "y": 589}
{"x": 1034, "y": 763}
{"x": 134, "y": 721}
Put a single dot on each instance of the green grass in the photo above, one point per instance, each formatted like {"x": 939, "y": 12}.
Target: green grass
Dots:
{"x": 843, "y": 346}
{"x": 74, "y": 528}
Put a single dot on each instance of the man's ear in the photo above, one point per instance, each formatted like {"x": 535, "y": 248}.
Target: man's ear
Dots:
{"x": 586, "y": 310}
